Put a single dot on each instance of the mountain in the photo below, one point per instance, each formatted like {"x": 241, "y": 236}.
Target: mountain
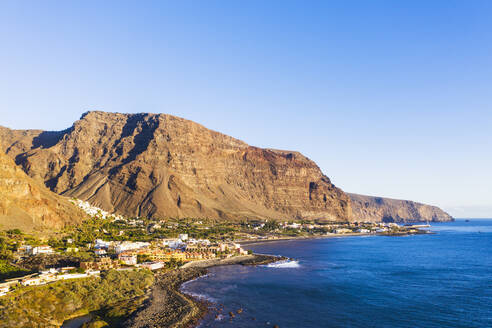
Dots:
{"x": 159, "y": 165}
{"x": 375, "y": 209}
{"x": 29, "y": 205}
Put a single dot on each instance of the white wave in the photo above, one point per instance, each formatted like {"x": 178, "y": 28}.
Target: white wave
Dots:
{"x": 201, "y": 297}
{"x": 284, "y": 264}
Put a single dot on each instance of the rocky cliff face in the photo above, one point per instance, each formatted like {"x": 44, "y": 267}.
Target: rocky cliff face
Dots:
{"x": 29, "y": 205}
{"x": 376, "y": 209}
{"x": 163, "y": 166}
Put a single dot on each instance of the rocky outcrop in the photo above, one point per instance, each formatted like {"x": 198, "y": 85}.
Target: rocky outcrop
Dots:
{"x": 377, "y": 209}
{"x": 160, "y": 165}
{"x": 28, "y": 205}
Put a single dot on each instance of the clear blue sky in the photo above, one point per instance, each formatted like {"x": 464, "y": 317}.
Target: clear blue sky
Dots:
{"x": 390, "y": 98}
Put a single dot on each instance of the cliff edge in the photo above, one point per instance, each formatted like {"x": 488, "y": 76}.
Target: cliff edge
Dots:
{"x": 378, "y": 209}
{"x": 159, "y": 165}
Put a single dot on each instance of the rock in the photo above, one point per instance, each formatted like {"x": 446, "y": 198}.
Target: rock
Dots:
{"x": 167, "y": 307}
{"x": 28, "y": 205}
{"x": 377, "y": 209}
{"x": 159, "y": 165}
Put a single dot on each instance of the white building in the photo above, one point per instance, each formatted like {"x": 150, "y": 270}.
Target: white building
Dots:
{"x": 43, "y": 249}
{"x": 102, "y": 244}
{"x": 91, "y": 210}
{"x": 52, "y": 275}
{"x": 93, "y": 272}
{"x": 198, "y": 241}
{"x": 135, "y": 222}
{"x": 155, "y": 226}
{"x": 128, "y": 259}
{"x": 4, "y": 289}
{"x": 173, "y": 243}
{"x": 39, "y": 280}
{"x": 129, "y": 245}
{"x": 165, "y": 242}
{"x": 183, "y": 236}
{"x": 25, "y": 249}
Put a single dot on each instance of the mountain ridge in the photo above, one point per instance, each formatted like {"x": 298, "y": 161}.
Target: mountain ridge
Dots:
{"x": 160, "y": 165}
{"x": 163, "y": 165}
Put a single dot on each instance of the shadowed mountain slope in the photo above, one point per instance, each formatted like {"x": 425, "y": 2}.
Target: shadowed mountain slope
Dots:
{"x": 28, "y": 205}
{"x": 369, "y": 208}
{"x": 159, "y": 165}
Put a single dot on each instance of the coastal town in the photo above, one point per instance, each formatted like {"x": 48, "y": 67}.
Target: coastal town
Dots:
{"x": 122, "y": 255}
{"x": 138, "y": 243}
{"x": 245, "y": 164}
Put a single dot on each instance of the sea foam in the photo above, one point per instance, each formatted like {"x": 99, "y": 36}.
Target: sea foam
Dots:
{"x": 198, "y": 296}
{"x": 284, "y": 264}
{"x": 201, "y": 297}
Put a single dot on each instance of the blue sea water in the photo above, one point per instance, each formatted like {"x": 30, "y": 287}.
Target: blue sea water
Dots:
{"x": 434, "y": 280}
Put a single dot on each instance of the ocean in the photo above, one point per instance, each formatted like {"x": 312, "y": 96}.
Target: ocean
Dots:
{"x": 434, "y": 280}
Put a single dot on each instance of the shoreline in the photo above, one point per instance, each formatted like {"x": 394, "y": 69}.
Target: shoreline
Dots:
{"x": 355, "y": 234}
{"x": 168, "y": 306}
{"x": 254, "y": 259}
{"x": 261, "y": 241}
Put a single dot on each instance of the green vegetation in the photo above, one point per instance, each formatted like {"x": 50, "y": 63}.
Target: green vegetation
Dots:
{"x": 109, "y": 298}
{"x": 144, "y": 230}
{"x": 173, "y": 263}
{"x": 7, "y": 270}
{"x": 270, "y": 225}
{"x": 11, "y": 240}
{"x": 9, "y": 243}
{"x": 141, "y": 258}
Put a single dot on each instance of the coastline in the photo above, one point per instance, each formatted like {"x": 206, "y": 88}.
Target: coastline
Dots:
{"x": 260, "y": 259}
{"x": 168, "y": 306}
{"x": 261, "y": 241}
{"x": 355, "y": 234}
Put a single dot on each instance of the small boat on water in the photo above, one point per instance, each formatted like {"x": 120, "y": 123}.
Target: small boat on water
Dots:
{"x": 467, "y": 220}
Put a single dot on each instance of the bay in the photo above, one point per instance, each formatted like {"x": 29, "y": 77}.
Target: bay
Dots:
{"x": 433, "y": 280}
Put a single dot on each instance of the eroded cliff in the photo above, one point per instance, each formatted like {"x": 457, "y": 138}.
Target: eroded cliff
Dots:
{"x": 160, "y": 165}
{"x": 376, "y": 209}
{"x": 29, "y": 205}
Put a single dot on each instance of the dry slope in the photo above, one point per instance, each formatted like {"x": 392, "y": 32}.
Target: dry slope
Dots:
{"x": 160, "y": 165}
{"x": 376, "y": 209}
{"x": 29, "y": 205}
